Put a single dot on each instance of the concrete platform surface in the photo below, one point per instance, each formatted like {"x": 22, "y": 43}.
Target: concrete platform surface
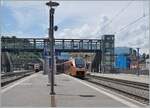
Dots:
{"x": 33, "y": 91}
{"x": 130, "y": 77}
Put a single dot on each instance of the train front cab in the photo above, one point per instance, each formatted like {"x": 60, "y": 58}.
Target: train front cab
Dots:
{"x": 36, "y": 67}
{"x": 80, "y": 72}
{"x": 77, "y": 72}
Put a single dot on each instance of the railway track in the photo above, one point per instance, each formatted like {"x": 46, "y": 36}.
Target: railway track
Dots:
{"x": 135, "y": 90}
{"x": 13, "y": 76}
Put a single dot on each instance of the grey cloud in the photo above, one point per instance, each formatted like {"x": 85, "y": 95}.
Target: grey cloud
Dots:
{"x": 88, "y": 30}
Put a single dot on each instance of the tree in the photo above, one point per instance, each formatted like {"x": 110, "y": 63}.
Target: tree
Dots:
{"x": 13, "y": 37}
{"x": 147, "y": 56}
{"x": 130, "y": 51}
{"x": 144, "y": 56}
{"x": 134, "y": 52}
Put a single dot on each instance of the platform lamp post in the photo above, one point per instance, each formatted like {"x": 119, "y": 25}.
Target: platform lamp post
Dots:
{"x": 51, "y": 39}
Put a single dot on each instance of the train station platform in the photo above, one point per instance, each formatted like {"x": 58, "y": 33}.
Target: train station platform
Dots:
{"x": 130, "y": 77}
{"x": 33, "y": 91}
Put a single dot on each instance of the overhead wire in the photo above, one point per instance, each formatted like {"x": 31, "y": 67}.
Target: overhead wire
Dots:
{"x": 135, "y": 21}
{"x": 119, "y": 13}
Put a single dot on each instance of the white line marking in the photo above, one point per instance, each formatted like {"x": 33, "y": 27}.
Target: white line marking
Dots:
{"x": 19, "y": 82}
{"x": 106, "y": 93}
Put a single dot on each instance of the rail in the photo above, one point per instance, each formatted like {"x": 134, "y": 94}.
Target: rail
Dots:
{"x": 136, "y": 90}
{"x": 12, "y": 76}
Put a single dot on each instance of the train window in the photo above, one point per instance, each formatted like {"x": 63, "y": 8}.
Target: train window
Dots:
{"x": 80, "y": 63}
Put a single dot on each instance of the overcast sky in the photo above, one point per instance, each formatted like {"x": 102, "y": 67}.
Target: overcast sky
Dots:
{"x": 80, "y": 19}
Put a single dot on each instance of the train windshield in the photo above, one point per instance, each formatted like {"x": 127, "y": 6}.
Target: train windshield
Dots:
{"x": 79, "y": 62}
